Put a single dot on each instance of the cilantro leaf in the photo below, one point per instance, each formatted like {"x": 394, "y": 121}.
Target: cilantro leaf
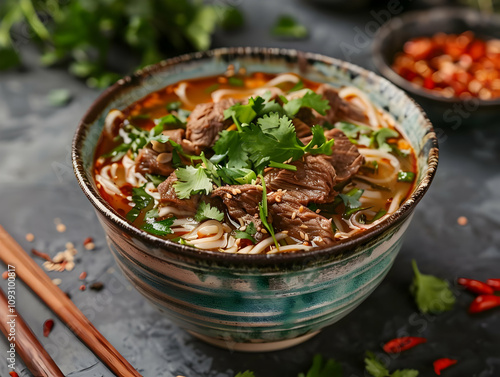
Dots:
{"x": 310, "y": 99}
{"x": 159, "y": 228}
{"x": 374, "y": 366}
{"x": 351, "y": 201}
{"x": 353, "y": 130}
{"x": 320, "y": 368}
{"x": 191, "y": 180}
{"x": 156, "y": 179}
{"x": 287, "y": 26}
{"x": 235, "y": 81}
{"x": 299, "y": 85}
{"x": 229, "y": 146}
{"x": 206, "y": 211}
{"x": 233, "y": 176}
{"x": 381, "y": 137}
{"x": 244, "y": 113}
{"x": 245, "y": 374}
{"x": 170, "y": 122}
{"x": 248, "y": 233}
{"x": 432, "y": 295}
{"x": 406, "y": 176}
{"x": 141, "y": 200}
{"x": 318, "y": 143}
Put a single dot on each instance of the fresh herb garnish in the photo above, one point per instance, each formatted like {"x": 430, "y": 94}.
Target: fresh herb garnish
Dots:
{"x": 353, "y": 130}
{"x": 351, "y": 201}
{"x": 432, "y": 295}
{"x": 141, "y": 200}
{"x": 322, "y": 368}
{"x": 156, "y": 179}
{"x": 377, "y": 369}
{"x": 206, "y": 211}
{"x": 286, "y": 26}
{"x": 192, "y": 180}
{"x": 170, "y": 122}
{"x": 235, "y": 81}
{"x": 299, "y": 85}
{"x": 380, "y": 137}
{"x": 244, "y": 113}
{"x": 174, "y": 106}
{"x": 248, "y": 233}
{"x": 311, "y": 100}
{"x": 263, "y": 212}
{"x": 406, "y": 176}
{"x": 159, "y": 228}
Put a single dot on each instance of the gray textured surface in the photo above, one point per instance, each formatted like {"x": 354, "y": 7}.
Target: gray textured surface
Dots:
{"x": 37, "y": 185}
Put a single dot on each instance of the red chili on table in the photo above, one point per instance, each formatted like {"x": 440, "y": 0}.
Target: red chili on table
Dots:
{"x": 494, "y": 283}
{"x": 443, "y": 363}
{"x": 13, "y": 374}
{"x": 47, "y": 327}
{"x": 483, "y": 303}
{"x": 402, "y": 344}
{"x": 476, "y": 286}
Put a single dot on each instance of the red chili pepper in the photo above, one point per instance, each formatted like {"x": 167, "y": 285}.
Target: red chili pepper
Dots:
{"x": 476, "y": 286}
{"x": 443, "y": 363}
{"x": 483, "y": 303}
{"x": 494, "y": 283}
{"x": 47, "y": 327}
{"x": 13, "y": 374}
{"x": 402, "y": 344}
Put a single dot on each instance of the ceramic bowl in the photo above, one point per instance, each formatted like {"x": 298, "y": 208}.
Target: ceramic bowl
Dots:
{"x": 255, "y": 302}
{"x": 390, "y": 38}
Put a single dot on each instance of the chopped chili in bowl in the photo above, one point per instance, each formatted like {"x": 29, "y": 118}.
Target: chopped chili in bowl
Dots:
{"x": 452, "y": 65}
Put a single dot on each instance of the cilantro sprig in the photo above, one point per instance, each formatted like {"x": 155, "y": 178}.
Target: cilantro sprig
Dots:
{"x": 432, "y": 295}
{"x": 142, "y": 200}
{"x": 323, "y": 368}
{"x": 375, "y": 367}
{"x": 206, "y": 211}
{"x": 248, "y": 233}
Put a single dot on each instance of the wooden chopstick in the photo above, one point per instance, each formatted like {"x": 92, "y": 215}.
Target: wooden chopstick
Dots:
{"x": 37, "y": 360}
{"x": 12, "y": 253}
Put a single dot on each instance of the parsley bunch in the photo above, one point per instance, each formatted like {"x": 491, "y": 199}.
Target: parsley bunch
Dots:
{"x": 83, "y": 32}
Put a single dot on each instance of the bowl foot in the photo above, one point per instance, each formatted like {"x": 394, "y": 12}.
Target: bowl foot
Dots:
{"x": 254, "y": 347}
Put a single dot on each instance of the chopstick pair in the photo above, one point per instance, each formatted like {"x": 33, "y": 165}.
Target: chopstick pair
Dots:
{"x": 11, "y": 253}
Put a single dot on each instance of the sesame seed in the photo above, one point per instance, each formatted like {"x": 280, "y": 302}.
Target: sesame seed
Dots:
{"x": 302, "y": 235}
{"x": 294, "y": 215}
{"x": 301, "y": 209}
{"x": 306, "y": 237}
{"x": 318, "y": 210}
{"x": 234, "y": 191}
{"x": 303, "y": 226}
{"x": 238, "y": 191}
{"x": 228, "y": 196}
{"x": 285, "y": 232}
{"x": 243, "y": 228}
{"x": 259, "y": 229}
{"x": 278, "y": 198}
{"x": 263, "y": 230}
{"x": 30, "y": 237}
{"x": 57, "y": 281}
{"x": 462, "y": 220}
{"x": 61, "y": 228}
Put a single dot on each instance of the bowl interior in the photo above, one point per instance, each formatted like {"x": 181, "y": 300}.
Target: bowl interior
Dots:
{"x": 392, "y": 36}
{"x": 314, "y": 67}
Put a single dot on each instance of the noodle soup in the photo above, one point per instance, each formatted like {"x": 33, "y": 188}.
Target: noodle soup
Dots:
{"x": 254, "y": 164}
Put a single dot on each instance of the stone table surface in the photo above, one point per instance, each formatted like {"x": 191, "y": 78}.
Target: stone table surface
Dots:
{"x": 37, "y": 186}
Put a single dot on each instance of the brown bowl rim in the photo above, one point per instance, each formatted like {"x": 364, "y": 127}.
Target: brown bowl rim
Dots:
{"x": 422, "y": 16}
{"x": 336, "y": 252}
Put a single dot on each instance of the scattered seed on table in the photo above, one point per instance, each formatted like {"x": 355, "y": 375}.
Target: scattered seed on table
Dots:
{"x": 61, "y": 228}
{"x": 47, "y": 327}
{"x": 97, "y": 286}
{"x": 83, "y": 275}
{"x": 87, "y": 240}
{"x": 82, "y": 287}
{"x": 30, "y": 237}
{"x": 462, "y": 220}
{"x": 89, "y": 246}
{"x": 57, "y": 281}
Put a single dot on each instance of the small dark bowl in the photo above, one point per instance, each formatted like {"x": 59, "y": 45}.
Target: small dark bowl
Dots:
{"x": 390, "y": 38}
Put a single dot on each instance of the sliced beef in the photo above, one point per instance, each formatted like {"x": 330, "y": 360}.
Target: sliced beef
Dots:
{"x": 339, "y": 108}
{"x": 205, "y": 122}
{"x": 169, "y": 197}
{"x": 147, "y": 162}
{"x": 345, "y": 157}
{"x": 307, "y": 116}
{"x": 301, "y": 222}
{"x": 312, "y": 182}
{"x": 301, "y": 128}
{"x": 241, "y": 201}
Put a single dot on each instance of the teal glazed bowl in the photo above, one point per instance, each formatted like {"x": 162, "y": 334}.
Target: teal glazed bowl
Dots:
{"x": 255, "y": 302}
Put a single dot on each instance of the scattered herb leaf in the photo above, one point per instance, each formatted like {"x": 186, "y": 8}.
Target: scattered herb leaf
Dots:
{"x": 206, "y": 211}
{"x": 286, "y": 26}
